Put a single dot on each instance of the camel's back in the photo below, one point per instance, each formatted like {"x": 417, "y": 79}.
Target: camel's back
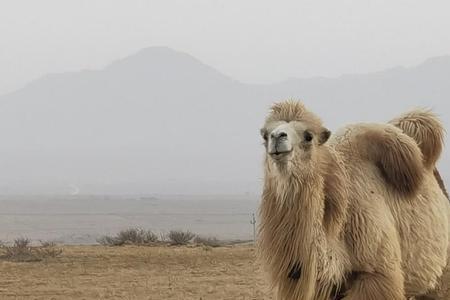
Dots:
{"x": 408, "y": 220}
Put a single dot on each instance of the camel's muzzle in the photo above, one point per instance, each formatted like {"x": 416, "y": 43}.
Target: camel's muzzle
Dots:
{"x": 279, "y": 142}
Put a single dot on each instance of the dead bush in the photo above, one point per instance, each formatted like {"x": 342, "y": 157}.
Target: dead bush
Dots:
{"x": 180, "y": 237}
{"x": 208, "y": 241}
{"x": 130, "y": 236}
{"x": 48, "y": 249}
{"x": 22, "y": 251}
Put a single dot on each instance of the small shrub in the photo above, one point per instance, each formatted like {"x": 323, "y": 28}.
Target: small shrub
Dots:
{"x": 22, "y": 251}
{"x": 48, "y": 249}
{"x": 47, "y": 244}
{"x": 130, "y": 236}
{"x": 208, "y": 241}
{"x": 22, "y": 243}
{"x": 163, "y": 237}
{"x": 179, "y": 237}
{"x": 109, "y": 241}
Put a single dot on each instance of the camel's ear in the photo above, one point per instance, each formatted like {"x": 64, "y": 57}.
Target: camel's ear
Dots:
{"x": 324, "y": 135}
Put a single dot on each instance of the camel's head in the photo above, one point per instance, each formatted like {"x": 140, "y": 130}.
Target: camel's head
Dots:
{"x": 292, "y": 135}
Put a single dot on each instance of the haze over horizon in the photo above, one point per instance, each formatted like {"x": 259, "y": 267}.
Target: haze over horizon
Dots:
{"x": 147, "y": 96}
{"x": 162, "y": 121}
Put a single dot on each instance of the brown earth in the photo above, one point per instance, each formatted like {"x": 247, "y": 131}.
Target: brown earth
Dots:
{"x": 131, "y": 272}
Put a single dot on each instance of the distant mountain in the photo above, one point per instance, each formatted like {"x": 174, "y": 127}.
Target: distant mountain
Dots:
{"x": 161, "y": 121}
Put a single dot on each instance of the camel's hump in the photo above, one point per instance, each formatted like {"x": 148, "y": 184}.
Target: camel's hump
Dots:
{"x": 426, "y": 129}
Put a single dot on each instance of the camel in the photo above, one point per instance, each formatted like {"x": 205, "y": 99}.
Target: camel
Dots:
{"x": 359, "y": 214}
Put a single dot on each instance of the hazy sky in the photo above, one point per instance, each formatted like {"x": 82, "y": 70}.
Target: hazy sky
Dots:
{"x": 251, "y": 40}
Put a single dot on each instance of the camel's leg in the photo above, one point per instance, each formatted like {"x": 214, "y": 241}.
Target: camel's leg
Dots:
{"x": 430, "y": 297}
{"x": 442, "y": 291}
{"x": 376, "y": 286}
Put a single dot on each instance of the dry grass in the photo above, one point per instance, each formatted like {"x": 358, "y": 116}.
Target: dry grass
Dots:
{"x": 133, "y": 272}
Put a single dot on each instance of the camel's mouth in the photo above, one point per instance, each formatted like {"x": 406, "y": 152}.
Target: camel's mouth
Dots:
{"x": 279, "y": 155}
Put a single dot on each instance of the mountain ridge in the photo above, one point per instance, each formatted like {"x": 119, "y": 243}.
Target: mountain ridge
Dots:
{"x": 169, "y": 52}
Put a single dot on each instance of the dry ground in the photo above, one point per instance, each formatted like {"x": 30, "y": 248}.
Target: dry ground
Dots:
{"x": 131, "y": 272}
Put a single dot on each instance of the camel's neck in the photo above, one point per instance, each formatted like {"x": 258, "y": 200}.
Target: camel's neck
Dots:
{"x": 291, "y": 231}
{"x": 299, "y": 194}
{"x": 294, "y": 229}
{"x": 302, "y": 196}
{"x": 298, "y": 200}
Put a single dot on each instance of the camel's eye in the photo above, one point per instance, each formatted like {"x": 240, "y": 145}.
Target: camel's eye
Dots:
{"x": 264, "y": 134}
{"x": 307, "y": 136}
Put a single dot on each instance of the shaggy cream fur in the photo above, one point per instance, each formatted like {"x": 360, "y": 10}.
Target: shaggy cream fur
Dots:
{"x": 361, "y": 216}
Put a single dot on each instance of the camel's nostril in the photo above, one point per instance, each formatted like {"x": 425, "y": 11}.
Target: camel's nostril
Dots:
{"x": 282, "y": 135}
{"x": 278, "y": 135}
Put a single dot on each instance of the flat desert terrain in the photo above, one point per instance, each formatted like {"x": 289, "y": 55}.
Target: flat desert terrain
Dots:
{"x": 138, "y": 272}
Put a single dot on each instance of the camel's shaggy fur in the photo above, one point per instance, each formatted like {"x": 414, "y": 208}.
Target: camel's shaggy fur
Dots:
{"x": 361, "y": 216}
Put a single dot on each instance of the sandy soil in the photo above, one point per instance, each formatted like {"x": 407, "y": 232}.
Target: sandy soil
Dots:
{"x": 98, "y": 272}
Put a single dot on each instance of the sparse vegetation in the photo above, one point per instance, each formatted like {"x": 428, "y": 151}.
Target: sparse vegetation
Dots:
{"x": 139, "y": 236}
{"x": 130, "y": 236}
{"x": 48, "y": 250}
{"x": 180, "y": 237}
{"x": 47, "y": 244}
{"x": 22, "y": 251}
{"x": 208, "y": 241}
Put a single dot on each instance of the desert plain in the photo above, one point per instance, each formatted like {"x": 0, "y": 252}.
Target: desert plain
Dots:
{"x": 138, "y": 272}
